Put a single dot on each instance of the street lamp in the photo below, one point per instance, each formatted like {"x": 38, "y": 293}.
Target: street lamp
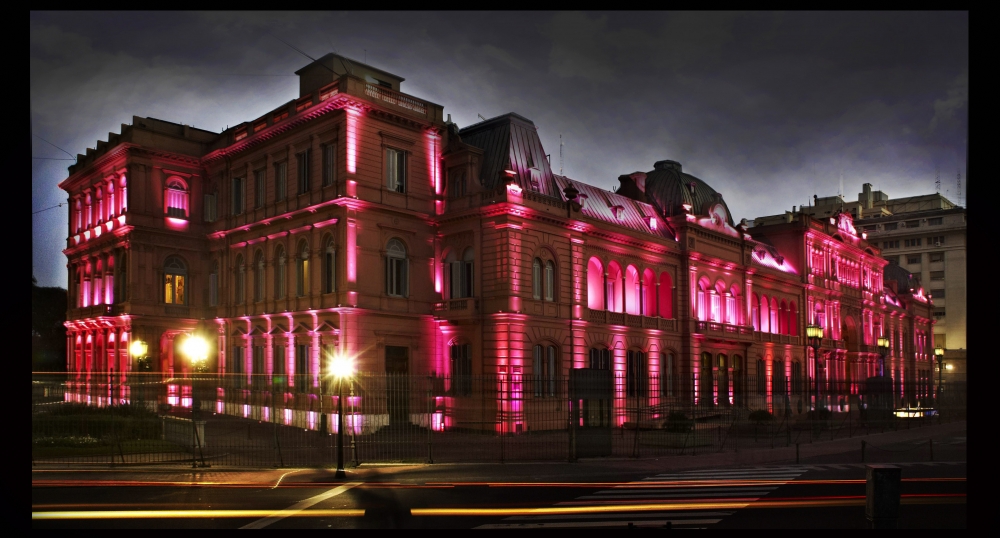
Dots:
{"x": 341, "y": 367}
{"x": 138, "y": 351}
{"x": 939, "y": 357}
{"x": 814, "y": 337}
{"x": 195, "y": 348}
{"x": 883, "y": 350}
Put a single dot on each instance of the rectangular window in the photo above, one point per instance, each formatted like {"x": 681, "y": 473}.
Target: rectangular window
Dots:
{"x": 938, "y": 313}
{"x": 890, "y": 244}
{"x": 258, "y": 366}
{"x": 280, "y": 181}
{"x": 278, "y": 116}
{"x": 396, "y": 277}
{"x": 210, "y": 209}
{"x": 667, "y": 374}
{"x": 937, "y": 256}
{"x": 329, "y": 165}
{"x": 236, "y": 366}
{"x": 213, "y": 289}
{"x": 395, "y": 170}
{"x": 870, "y": 228}
{"x": 912, "y": 223}
{"x": 258, "y": 189}
{"x": 302, "y": 160}
{"x": 890, "y": 226}
{"x": 461, "y": 369}
{"x": 937, "y": 275}
{"x": 936, "y": 240}
{"x": 239, "y": 195}
{"x": 279, "y": 363}
{"x": 937, "y": 294}
{"x": 301, "y": 367}
{"x": 329, "y": 270}
{"x": 937, "y": 221}
{"x": 913, "y": 260}
{"x": 892, "y": 259}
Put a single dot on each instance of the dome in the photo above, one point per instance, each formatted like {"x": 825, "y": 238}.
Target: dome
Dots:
{"x": 669, "y": 188}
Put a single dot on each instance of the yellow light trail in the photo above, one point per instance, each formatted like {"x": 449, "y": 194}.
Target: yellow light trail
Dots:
{"x": 188, "y": 514}
{"x": 707, "y": 505}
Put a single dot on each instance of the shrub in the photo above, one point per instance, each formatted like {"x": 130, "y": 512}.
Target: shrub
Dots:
{"x": 679, "y": 422}
{"x": 760, "y": 415}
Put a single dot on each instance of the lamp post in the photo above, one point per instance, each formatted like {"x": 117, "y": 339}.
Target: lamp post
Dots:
{"x": 883, "y": 350}
{"x": 341, "y": 368}
{"x": 814, "y": 337}
{"x": 939, "y": 357}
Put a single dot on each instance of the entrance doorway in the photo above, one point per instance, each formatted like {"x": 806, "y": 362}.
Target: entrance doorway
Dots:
{"x": 397, "y": 369}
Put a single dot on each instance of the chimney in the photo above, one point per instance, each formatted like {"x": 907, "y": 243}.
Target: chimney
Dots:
{"x": 639, "y": 179}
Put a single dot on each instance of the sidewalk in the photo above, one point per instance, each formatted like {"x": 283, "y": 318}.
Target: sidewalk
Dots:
{"x": 909, "y": 447}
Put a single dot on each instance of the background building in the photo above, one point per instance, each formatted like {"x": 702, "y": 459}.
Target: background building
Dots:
{"x": 926, "y": 236}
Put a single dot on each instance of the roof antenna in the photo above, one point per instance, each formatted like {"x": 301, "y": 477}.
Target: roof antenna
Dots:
{"x": 937, "y": 180}
{"x": 958, "y": 189}
{"x": 304, "y": 54}
{"x": 481, "y": 117}
{"x": 560, "y": 155}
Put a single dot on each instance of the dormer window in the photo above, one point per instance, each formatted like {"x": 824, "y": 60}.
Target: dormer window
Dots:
{"x": 175, "y": 198}
{"x": 240, "y": 135}
{"x": 618, "y": 211}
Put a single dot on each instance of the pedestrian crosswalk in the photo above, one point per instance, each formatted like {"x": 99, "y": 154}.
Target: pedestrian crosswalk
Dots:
{"x": 669, "y": 499}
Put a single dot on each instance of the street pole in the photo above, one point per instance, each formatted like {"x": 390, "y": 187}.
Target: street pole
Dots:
{"x": 340, "y": 429}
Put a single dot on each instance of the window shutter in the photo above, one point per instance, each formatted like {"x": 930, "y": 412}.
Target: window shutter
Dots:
{"x": 405, "y": 265}
{"x": 468, "y": 279}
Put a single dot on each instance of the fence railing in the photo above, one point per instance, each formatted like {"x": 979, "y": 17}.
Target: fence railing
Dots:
{"x": 263, "y": 421}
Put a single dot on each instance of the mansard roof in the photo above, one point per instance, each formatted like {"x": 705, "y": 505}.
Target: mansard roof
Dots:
{"x": 599, "y": 204}
{"x": 510, "y": 142}
{"x": 903, "y": 278}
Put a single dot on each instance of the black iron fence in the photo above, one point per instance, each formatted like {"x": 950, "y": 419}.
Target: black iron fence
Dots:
{"x": 265, "y": 421}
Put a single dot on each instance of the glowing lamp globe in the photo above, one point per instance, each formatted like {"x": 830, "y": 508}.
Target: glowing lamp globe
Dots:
{"x": 195, "y": 349}
{"x": 137, "y": 349}
{"x": 341, "y": 366}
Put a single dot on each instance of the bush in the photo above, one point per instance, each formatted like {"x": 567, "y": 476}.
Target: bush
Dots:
{"x": 822, "y": 414}
{"x": 760, "y": 415}
{"x": 678, "y": 422}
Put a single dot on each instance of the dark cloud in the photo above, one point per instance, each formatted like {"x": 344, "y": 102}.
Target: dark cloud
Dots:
{"x": 768, "y": 108}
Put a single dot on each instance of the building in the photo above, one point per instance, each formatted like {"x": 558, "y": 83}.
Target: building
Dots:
{"x": 355, "y": 220}
{"x": 925, "y": 235}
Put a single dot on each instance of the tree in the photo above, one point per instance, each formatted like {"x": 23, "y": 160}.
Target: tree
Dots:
{"x": 48, "y": 334}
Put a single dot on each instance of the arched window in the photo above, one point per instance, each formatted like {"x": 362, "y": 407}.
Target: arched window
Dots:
{"x": 724, "y": 395}
{"x": 536, "y": 279}
{"x": 258, "y": 277}
{"x": 615, "y": 288}
{"x": 279, "y": 272}
{"x": 240, "y": 282}
{"x": 595, "y": 285}
{"x": 719, "y": 302}
{"x": 706, "y": 394}
{"x": 175, "y": 285}
{"x": 736, "y": 307}
{"x": 765, "y": 314}
{"x": 647, "y": 305}
{"x": 302, "y": 270}
{"x": 635, "y": 373}
{"x": 778, "y": 381}
{"x": 544, "y": 370}
{"x": 703, "y": 301}
{"x": 755, "y": 311}
{"x": 796, "y": 377}
{"x": 600, "y": 358}
{"x": 213, "y": 285}
{"x": 329, "y": 267}
{"x": 97, "y": 283}
{"x": 632, "y": 290}
{"x": 774, "y": 315}
{"x": 550, "y": 281}
{"x": 793, "y": 319}
{"x": 396, "y": 269}
{"x": 666, "y": 296}
{"x": 783, "y": 317}
{"x": 461, "y": 369}
{"x": 175, "y": 197}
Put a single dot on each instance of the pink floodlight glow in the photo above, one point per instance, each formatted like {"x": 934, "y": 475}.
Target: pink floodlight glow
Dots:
{"x": 433, "y": 161}
{"x": 352, "y": 247}
{"x": 353, "y": 118}
{"x": 288, "y": 417}
{"x": 514, "y": 189}
{"x": 219, "y": 406}
{"x": 177, "y": 224}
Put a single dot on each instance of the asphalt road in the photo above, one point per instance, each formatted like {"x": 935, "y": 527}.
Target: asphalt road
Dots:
{"x": 828, "y": 495}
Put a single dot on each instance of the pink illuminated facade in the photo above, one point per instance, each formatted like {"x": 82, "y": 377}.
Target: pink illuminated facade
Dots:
{"x": 355, "y": 220}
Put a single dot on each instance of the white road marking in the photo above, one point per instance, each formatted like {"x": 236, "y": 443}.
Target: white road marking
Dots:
{"x": 299, "y": 506}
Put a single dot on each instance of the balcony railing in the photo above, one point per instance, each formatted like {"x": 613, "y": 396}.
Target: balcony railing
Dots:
{"x": 714, "y": 328}
{"x": 630, "y": 320}
{"x": 395, "y": 98}
{"x": 467, "y": 305}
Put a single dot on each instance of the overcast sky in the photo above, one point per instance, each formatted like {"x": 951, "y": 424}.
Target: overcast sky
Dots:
{"x": 767, "y": 108}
